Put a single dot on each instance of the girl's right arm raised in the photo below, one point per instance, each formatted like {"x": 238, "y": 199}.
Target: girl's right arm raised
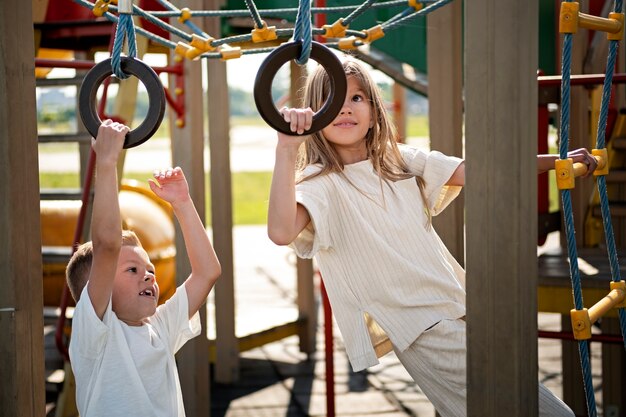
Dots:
{"x": 286, "y": 218}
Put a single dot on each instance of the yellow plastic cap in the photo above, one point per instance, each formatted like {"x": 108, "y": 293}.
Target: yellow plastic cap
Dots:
{"x": 565, "y": 178}
{"x": 581, "y": 324}
{"x": 568, "y": 18}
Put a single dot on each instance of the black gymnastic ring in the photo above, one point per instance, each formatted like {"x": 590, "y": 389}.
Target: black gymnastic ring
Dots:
{"x": 270, "y": 66}
{"x": 156, "y": 95}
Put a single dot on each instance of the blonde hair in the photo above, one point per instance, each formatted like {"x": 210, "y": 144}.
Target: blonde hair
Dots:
{"x": 79, "y": 266}
{"x": 381, "y": 139}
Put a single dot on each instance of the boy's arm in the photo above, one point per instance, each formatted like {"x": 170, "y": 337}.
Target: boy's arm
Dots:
{"x": 205, "y": 267}
{"x": 106, "y": 223}
{"x": 286, "y": 218}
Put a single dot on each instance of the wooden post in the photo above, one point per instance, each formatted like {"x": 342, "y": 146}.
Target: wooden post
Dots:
{"x": 22, "y": 391}
{"x": 187, "y": 144}
{"x": 227, "y": 363}
{"x": 445, "y": 110}
{"x": 501, "y": 196}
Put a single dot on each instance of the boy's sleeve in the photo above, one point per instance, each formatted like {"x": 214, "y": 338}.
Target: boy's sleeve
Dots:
{"x": 315, "y": 235}
{"x": 89, "y": 333}
{"x": 436, "y": 169}
{"x": 172, "y": 319}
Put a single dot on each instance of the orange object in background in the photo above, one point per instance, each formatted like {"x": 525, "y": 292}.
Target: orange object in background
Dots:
{"x": 142, "y": 212}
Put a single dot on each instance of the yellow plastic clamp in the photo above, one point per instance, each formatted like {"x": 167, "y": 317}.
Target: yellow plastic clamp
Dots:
{"x": 264, "y": 33}
{"x": 185, "y": 14}
{"x": 617, "y": 36}
{"x": 230, "y": 53}
{"x": 182, "y": 49}
{"x": 336, "y": 30}
{"x": 101, "y": 7}
{"x": 564, "y": 168}
{"x": 602, "y": 157}
{"x": 620, "y": 286}
{"x": 204, "y": 44}
{"x": 581, "y": 325}
{"x": 568, "y": 18}
{"x": 348, "y": 43}
{"x": 416, "y": 5}
{"x": 374, "y": 33}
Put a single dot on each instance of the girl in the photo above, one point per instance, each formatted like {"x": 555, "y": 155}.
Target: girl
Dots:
{"x": 362, "y": 205}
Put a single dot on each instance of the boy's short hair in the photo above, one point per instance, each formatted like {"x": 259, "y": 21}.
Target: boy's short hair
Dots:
{"x": 79, "y": 266}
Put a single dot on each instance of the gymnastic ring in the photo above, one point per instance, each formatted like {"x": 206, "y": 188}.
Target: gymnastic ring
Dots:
{"x": 156, "y": 96}
{"x": 270, "y": 66}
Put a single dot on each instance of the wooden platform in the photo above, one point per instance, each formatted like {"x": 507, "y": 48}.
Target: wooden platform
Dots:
{"x": 555, "y": 286}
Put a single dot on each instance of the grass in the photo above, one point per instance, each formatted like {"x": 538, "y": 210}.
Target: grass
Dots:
{"x": 250, "y": 192}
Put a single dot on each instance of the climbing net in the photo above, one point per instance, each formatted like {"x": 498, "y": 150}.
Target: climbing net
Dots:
{"x": 200, "y": 44}
{"x": 582, "y": 319}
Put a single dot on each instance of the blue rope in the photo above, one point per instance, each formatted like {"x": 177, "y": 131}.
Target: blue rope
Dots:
{"x": 125, "y": 29}
{"x": 568, "y": 215}
{"x": 302, "y": 31}
{"x": 602, "y": 189}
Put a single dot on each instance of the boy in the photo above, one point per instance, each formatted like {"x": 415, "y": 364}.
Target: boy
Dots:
{"x": 122, "y": 348}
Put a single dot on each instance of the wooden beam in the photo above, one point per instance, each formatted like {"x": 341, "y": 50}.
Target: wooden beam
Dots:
{"x": 445, "y": 110}
{"x": 187, "y": 143}
{"x": 501, "y": 207}
{"x": 227, "y": 364}
{"x": 22, "y": 391}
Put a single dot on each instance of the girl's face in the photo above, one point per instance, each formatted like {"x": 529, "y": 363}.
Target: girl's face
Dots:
{"x": 347, "y": 132}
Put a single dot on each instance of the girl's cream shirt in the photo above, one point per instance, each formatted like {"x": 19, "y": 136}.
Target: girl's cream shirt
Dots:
{"x": 387, "y": 273}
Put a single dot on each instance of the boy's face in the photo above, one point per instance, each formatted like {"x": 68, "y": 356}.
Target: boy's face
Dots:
{"x": 135, "y": 290}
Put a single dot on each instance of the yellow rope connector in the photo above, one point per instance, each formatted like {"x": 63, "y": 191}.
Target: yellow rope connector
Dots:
{"x": 621, "y": 287}
{"x": 374, "y": 33}
{"x": 336, "y": 30}
{"x": 101, "y": 7}
{"x": 182, "y": 49}
{"x": 609, "y": 301}
{"x": 185, "y": 14}
{"x": 348, "y": 43}
{"x": 602, "y": 157}
{"x": 581, "y": 324}
{"x": 228, "y": 52}
{"x": 568, "y": 17}
{"x": 616, "y": 36}
{"x": 264, "y": 33}
{"x": 416, "y": 5}
{"x": 565, "y": 177}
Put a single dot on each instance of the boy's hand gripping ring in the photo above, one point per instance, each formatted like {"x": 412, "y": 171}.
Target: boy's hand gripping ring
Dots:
{"x": 270, "y": 66}
{"x": 149, "y": 78}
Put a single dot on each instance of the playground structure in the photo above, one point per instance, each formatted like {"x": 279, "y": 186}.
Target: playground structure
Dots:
{"x": 481, "y": 263}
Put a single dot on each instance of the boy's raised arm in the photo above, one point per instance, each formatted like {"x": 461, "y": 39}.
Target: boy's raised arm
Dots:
{"x": 106, "y": 222}
{"x": 205, "y": 267}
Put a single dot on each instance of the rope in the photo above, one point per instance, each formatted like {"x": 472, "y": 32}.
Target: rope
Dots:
{"x": 125, "y": 29}
{"x": 302, "y": 31}
{"x": 254, "y": 12}
{"x": 283, "y": 11}
{"x": 602, "y": 189}
{"x": 568, "y": 214}
{"x": 405, "y": 16}
{"x": 359, "y": 11}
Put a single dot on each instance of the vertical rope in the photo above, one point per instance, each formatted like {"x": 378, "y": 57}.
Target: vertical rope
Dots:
{"x": 302, "y": 31}
{"x": 125, "y": 29}
{"x": 602, "y": 189}
{"x": 568, "y": 215}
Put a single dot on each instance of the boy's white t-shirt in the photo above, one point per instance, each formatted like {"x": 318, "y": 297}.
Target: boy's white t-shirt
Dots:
{"x": 386, "y": 271}
{"x": 124, "y": 370}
